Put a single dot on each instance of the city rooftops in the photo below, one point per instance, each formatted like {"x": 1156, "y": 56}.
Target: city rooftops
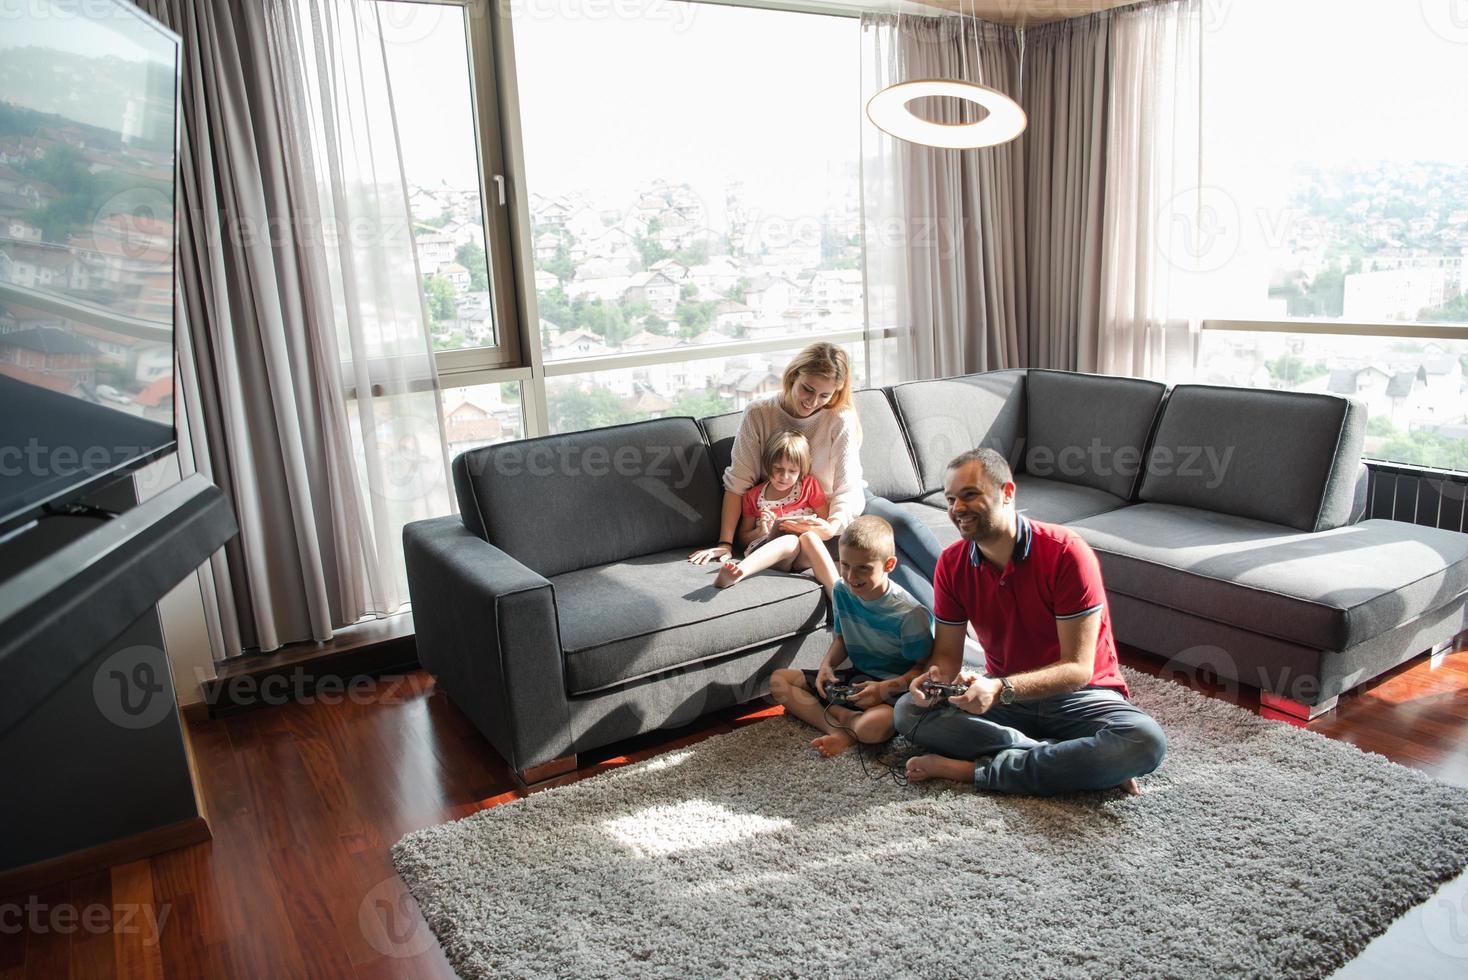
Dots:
{"x": 47, "y": 340}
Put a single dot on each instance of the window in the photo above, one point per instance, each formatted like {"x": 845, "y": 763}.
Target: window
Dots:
{"x": 691, "y": 195}
{"x": 482, "y": 415}
{"x": 689, "y": 223}
{"x": 459, "y": 230}
{"x": 1336, "y": 182}
{"x": 1335, "y": 187}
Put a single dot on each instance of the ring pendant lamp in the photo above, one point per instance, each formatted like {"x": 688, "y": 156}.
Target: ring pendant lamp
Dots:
{"x": 890, "y": 109}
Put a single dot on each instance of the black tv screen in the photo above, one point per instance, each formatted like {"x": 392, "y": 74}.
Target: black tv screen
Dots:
{"x": 88, "y": 154}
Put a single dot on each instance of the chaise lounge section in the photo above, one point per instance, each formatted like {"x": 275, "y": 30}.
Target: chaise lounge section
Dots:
{"x": 1226, "y": 520}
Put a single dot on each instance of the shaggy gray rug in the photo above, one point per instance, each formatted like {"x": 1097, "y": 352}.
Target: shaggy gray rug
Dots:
{"x": 1257, "y": 849}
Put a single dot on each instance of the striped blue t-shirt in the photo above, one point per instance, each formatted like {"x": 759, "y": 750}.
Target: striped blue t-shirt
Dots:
{"x": 886, "y": 636}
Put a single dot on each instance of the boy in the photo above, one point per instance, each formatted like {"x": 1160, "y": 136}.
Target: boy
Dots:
{"x": 884, "y": 631}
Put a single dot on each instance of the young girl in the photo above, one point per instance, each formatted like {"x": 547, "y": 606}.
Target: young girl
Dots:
{"x": 774, "y": 517}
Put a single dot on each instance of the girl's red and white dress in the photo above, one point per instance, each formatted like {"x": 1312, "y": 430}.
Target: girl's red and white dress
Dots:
{"x": 804, "y": 500}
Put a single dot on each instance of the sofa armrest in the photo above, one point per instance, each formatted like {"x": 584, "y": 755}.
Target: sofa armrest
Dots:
{"x": 486, "y": 628}
{"x": 1360, "y": 495}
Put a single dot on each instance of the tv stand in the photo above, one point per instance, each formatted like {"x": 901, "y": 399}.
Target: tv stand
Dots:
{"x": 89, "y": 721}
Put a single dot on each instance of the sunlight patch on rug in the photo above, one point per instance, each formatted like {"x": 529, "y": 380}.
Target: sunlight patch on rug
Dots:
{"x": 687, "y": 826}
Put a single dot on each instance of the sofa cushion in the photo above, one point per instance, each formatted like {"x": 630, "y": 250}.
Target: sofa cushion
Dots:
{"x": 655, "y": 613}
{"x": 720, "y": 431}
{"x": 933, "y": 512}
{"x": 953, "y": 415}
{"x": 1055, "y": 502}
{"x": 886, "y": 460}
{"x": 1284, "y": 457}
{"x": 1328, "y": 589}
{"x": 583, "y": 499}
{"x": 1089, "y": 429}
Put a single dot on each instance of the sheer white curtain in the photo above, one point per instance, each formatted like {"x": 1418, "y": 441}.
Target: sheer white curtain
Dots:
{"x": 383, "y": 435}
{"x": 385, "y": 426}
{"x": 944, "y": 228}
{"x": 1157, "y": 226}
{"x": 306, "y": 376}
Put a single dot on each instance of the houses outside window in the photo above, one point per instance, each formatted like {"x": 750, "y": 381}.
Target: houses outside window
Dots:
{"x": 1340, "y": 196}
{"x": 719, "y": 212}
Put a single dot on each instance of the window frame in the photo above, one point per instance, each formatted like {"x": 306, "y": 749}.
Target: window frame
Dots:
{"x": 499, "y": 139}
{"x": 506, "y": 352}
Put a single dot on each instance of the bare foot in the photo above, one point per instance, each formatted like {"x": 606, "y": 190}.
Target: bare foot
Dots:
{"x": 831, "y": 746}
{"x": 924, "y": 767}
{"x": 1131, "y": 787}
{"x": 728, "y": 575}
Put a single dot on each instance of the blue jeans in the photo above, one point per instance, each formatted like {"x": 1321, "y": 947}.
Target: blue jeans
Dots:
{"x": 1086, "y": 740}
{"x": 917, "y": 548}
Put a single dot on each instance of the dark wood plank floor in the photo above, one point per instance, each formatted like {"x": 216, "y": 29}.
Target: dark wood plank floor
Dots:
{"x": 305, "y": 799}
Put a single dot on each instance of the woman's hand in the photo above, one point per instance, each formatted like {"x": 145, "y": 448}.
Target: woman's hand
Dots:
{"x": 718, "y": 552}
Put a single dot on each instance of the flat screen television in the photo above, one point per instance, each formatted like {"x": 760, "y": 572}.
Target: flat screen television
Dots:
{"x": 88, "y": 157}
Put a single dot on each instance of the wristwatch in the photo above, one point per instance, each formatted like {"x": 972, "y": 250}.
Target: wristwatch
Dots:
{"x": 1006, "y": 691}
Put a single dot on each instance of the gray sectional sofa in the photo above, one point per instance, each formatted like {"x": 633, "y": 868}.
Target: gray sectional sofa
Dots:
{"x": 559, "y": 612}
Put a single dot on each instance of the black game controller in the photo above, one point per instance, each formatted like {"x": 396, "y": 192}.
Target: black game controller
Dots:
{"x": 939, "y": 691}
{"x": 841, "y": 694}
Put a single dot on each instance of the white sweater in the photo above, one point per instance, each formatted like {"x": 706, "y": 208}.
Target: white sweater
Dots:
{"x": 834, "y": 441}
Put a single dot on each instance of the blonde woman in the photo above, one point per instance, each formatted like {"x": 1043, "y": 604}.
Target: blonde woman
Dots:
{"x": 814, "y": 400}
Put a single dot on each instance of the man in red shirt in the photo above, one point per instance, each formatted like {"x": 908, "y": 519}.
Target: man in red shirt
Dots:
{"x": 1052, "y": 714}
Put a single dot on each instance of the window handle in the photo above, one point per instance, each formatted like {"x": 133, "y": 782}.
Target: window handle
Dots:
{"x": 499, "y": 183}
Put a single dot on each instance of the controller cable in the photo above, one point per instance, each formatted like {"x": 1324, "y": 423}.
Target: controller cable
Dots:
{"x": 898, "y": 776}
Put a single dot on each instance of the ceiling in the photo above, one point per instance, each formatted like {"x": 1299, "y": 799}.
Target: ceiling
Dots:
{"x": 1019, "y": 13}
{"x": 1016, "y": 13}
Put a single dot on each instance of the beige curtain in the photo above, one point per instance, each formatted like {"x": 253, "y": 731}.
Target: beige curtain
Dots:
{"x": 1114, "y": 219}
{"x": 944, "y": 228}
{"x": 305, "y": 369}
{"x": 1155, "y": 228}
{"x": 1064, "y": 95}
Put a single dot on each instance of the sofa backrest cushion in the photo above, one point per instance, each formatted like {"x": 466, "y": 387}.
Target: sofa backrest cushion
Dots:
{"x": 953, "y": 415}
{"x": 720, "y": 431}
{"x": 564, "y": 502}
{"x": 1287, "y": 457}
{"x": 1089, "y": 429}
{"x": 886, "y": 461}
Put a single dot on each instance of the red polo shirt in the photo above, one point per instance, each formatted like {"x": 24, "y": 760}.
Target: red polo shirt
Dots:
{"x": 1052, "y": 575}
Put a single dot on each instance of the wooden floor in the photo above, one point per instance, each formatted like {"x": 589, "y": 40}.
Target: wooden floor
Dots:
{"x": 306, "y": 799}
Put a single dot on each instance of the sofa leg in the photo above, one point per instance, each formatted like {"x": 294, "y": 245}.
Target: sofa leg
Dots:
{"x": 1295, "y": 709}
{"x": 546, "y": 774}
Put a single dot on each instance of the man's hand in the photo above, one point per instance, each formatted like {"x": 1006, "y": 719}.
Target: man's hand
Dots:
{"x": 868, "y": 695}
{"x": 824, "y": 675}
{"x": 915, "y": 689}
{"x": 982, "y": 694}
